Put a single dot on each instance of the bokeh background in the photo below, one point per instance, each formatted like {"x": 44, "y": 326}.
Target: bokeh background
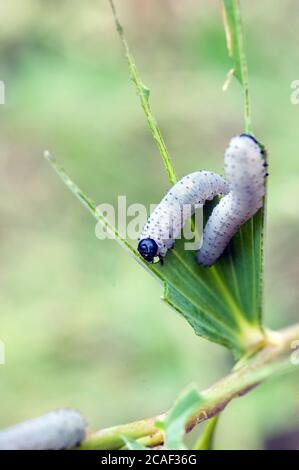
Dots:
{"x": 83, "y": 324}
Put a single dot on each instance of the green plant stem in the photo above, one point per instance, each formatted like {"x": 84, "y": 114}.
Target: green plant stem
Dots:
{"x": 111, "y": 438}
{"x": 143, "y": 93}
{"x": 274, "y": 358}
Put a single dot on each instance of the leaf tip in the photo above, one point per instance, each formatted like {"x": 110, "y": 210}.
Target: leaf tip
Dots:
{"x": 228, "y": 79}
{"x": 48, "y": 156}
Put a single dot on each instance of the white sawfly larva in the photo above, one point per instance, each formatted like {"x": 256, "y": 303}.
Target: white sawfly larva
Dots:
{"x": 165, "y": 224}
{"x": 245, "y": 169}
{"x": 57, "y": 430}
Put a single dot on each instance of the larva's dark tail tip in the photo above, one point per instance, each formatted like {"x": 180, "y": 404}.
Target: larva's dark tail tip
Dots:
{"x": 250, "y": 136}
{"x": 261, "y": 146}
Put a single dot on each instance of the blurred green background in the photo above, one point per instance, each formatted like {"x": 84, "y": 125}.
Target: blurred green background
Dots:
{"x": 82, "y": 323}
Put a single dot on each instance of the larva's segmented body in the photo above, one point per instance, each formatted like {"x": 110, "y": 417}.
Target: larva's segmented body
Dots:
{"x": 166, "y": 222}
{"x": 245, "y": 169}
{"x": 61, "y": 429}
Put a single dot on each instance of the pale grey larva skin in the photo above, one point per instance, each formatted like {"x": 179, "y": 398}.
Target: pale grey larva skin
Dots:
{"x": 245, "y": 169}
{"x": 57, "y": 430}
{"x": 166, "y": 221}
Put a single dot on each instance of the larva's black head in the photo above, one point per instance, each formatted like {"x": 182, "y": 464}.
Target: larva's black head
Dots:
{"x": 148, "y": 249}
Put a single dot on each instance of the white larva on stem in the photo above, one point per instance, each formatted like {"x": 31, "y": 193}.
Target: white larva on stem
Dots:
{"x": 165, "y": 224}
{"x": 245, "y": 169}
{"x": 61, "y": 429}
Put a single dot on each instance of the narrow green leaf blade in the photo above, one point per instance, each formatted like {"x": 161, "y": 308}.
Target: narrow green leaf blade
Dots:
{"x": 175, "y": 422}
{"x": 206, "y": 440}
{"x": 144, "y": 94}
{"x": 132, "y": 445}
{"x": 222, "y": 303}
{"x": 235, "y": 45}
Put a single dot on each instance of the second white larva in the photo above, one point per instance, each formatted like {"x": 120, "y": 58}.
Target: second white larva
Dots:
{"x": 57, "y": 430}
{"x": 166, "y": 222}
{"x": 245, "y": 169}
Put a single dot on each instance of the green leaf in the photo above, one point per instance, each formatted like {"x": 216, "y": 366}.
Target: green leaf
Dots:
{"x": 206, "y": 440}
{"x": 175, "y": 422}
{"x": 132, "y": 445}
{"x": 221, "y": 303}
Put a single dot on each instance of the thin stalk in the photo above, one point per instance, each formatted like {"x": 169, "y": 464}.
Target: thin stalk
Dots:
{"x": 236, "y": 49}
{"x": 143, "y": 93}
